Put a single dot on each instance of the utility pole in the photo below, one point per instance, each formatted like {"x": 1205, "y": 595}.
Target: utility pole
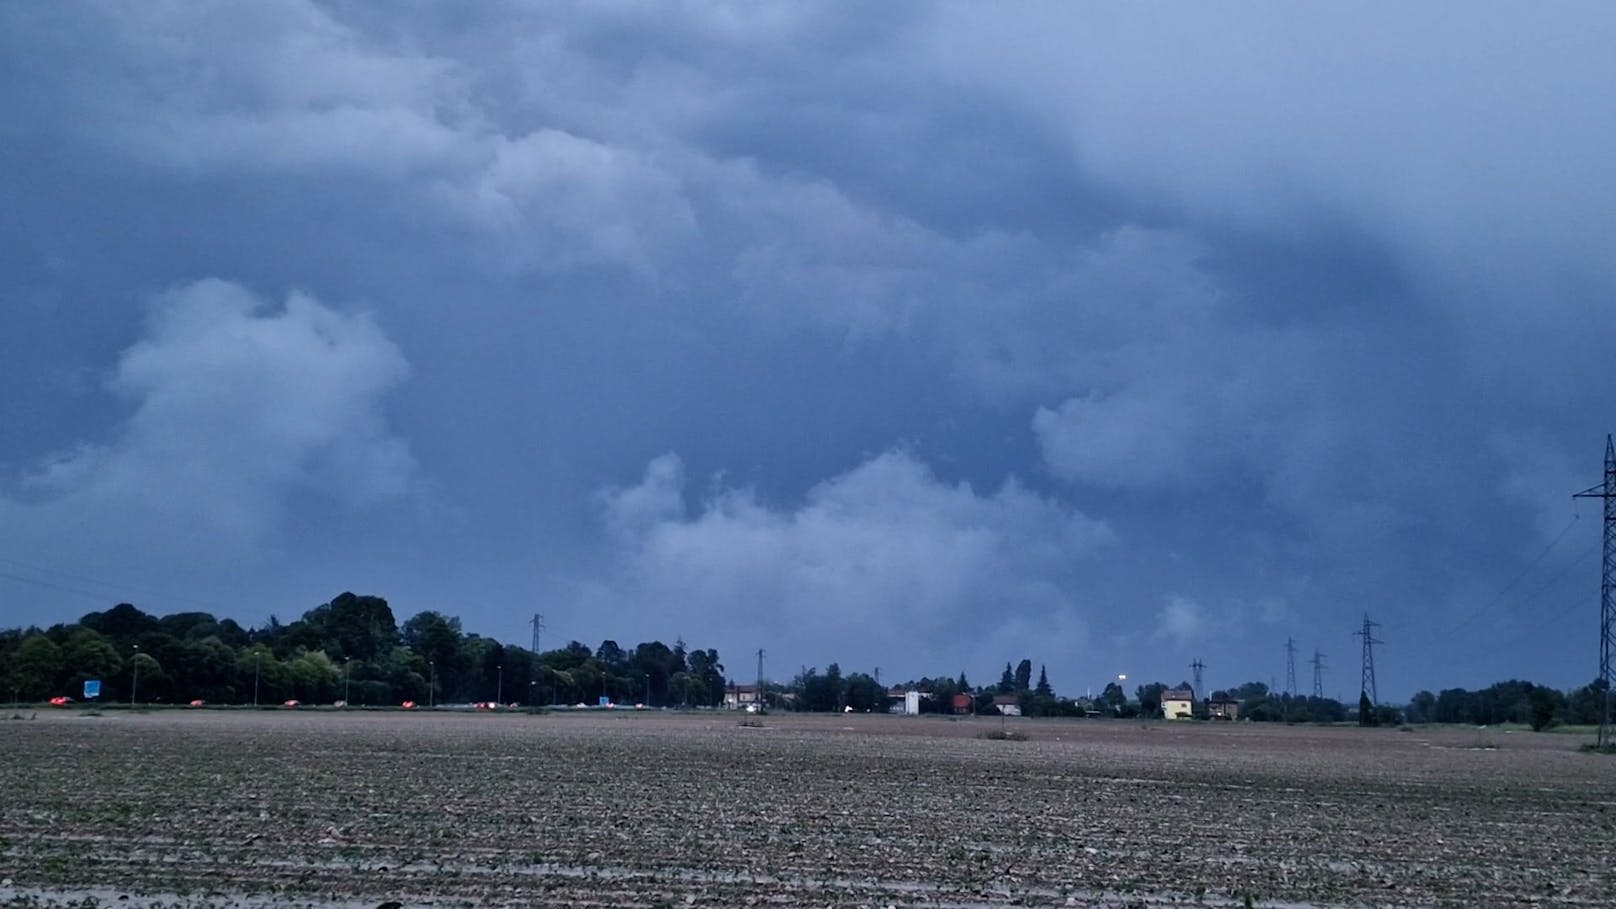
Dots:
{"x": 538, "y": 626}
{"x": 1607, "y": 586}
{"x": 758, "y": 698}
{"x": 1290, "y": 667}
{"x": 134, "y": 686}
{"x": 1318, "y": 674}
{"x": 345, "y": 662}
{"x": 258, "y": 668}
{"x": 1369, "y": 642}
{"x": 499, "y": 692}
{"x": 1196, "y": 667}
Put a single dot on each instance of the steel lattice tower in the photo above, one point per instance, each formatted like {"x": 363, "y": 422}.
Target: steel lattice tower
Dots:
{"x": 1607, "y": 584}
{"x": 1196, "y": 668}
{"x": 1369, "y": 642}
{"x": 1290, "y": 667}
{"x": 1318, "y": 674}
{"x": 538, "y": 626}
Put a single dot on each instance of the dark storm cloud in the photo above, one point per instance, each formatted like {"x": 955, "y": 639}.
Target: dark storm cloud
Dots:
{"x": 1128, "y": 337}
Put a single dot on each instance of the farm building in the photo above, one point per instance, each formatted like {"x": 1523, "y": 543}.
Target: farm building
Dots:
{"x": 963, "y": 703}
{"x": 1178, "y": 703}
{"x": 1224, "y": 707}
{"x": 904, "y": 701}
{"x": 738, "y": 697}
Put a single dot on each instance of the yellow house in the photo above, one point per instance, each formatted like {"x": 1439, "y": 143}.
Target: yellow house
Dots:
{"x": 1178, "y": 703}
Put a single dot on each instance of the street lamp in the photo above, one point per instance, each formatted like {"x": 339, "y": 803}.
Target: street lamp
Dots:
{"x": 432, "y": 686}
{"x": 134, "y": 686}
{"x": 499, "y": 692}
{"x": 258, "y": 668}
{"x": 345, "y": 662}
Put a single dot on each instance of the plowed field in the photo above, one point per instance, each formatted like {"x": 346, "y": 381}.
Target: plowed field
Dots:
{"x": 357, "y": 809}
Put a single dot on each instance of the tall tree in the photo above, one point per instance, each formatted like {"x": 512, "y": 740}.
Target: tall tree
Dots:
{"x": 1043, "y": 688}
{"x": 1024, "y": 675}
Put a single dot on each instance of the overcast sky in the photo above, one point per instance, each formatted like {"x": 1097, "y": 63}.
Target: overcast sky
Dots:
{"x": 926, "y": 337}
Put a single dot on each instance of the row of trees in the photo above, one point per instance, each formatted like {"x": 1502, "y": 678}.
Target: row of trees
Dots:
{"x": 353, "y": 649}
{"x": 349, "y": 649}
{"x": 1513, "y": 701}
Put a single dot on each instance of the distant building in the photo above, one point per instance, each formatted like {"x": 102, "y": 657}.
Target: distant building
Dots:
{"x": 1223, "y": 707}
{"x": 963, "y": 703}
{"x": 1178, "y": 703}
{"x": 904, "y": 701}
{"x": 1007, "y": 704}
{"x": 739, "y": 697}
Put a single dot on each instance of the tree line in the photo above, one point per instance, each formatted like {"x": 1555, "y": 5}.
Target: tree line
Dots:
{"x": 353, "y": 649}
{"x": 350, "y": 649}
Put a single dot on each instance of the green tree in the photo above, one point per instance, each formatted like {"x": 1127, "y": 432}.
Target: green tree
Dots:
{"x": 1150, "y": 698}
{"x": 1007, "y": 682}
{"x": 89, "y": 655}
{"x": 1422, "y": 708}
{"x": 1043, "y": 689}
{"x": 865, "y": 694}
{"x": 352, "y": 626}
{"x": 1024, "y": 675}
{"x": 315, "y": 678}
{"x": 1366, "y": 710}
{"x": 707, "y": 677}
{"x": 655, "y": 662}
{"x": 435, "y": 637}
{"x": 154, "y": 685}
{"x": 1114, "y": 698}
{"x": 122, "y": 623}
{"x": 37, "y": 667}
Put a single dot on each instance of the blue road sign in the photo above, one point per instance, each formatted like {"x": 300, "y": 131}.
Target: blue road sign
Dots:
{"x": 92, "y": 688}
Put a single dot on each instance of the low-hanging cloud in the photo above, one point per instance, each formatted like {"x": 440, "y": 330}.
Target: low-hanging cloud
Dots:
{"x": 236, "y": 406}
{"x": 881, "y": 552}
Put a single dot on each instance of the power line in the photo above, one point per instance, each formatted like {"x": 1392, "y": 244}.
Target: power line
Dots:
{"x": 1565, "y": 572}
{"x": 114, "y": 590}
{"x": 1290, "y": 667}
{"x": 1499, "y": 596}
{"x": 1607, "y": 584}
{"x": 1542, "y": 624}
{"x": 1445, "y": 636}
{"x": 1369, "y": 642}
{"x": 53, "y": 586}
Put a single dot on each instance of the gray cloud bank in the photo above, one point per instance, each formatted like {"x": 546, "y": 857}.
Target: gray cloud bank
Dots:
{"x": 1111, "y": 339}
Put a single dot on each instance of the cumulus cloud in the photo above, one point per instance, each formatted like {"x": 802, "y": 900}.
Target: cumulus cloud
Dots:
{"x": 1276, "y": 309}
{"x": 1181, "y": 621}
{"x": 237, "y": 405}
{"x": 881, "y": 553}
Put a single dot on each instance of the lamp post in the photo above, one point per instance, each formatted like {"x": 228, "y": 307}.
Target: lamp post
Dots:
{"x": 134, "y": 686}
{"x": 432, "y": 686}
{"x": 258, "y": 669}
{"x": 499, "y": 692}
{"x": 345, "y": 662}
{"x": 532, "y": 696}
